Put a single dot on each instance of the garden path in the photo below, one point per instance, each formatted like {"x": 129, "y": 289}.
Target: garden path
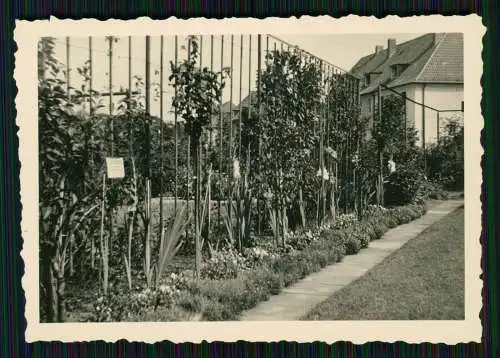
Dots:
{"x": 295, "y": 301}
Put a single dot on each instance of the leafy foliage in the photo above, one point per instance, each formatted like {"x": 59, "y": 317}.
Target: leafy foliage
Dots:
{"x": 67, "y": 193}
{"x": 403, "y": 186}
{"x": 198, "y": 92}
{"x": 446, "y": 158}
{"x": 291, "y": 95}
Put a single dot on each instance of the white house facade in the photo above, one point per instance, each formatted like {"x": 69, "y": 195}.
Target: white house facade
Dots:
{"x": 427, "y": 70}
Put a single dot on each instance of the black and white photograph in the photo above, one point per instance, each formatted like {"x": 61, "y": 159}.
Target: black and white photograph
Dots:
{"x": 252, "y": 176}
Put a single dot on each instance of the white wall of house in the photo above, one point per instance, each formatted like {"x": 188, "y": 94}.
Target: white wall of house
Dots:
{"x": 439, "y": 96}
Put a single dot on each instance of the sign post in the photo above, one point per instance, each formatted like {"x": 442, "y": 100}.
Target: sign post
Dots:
{"x": 115, "y": 168}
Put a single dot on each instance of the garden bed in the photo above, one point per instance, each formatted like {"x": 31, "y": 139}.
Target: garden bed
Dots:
{"x": 232, "y": 283}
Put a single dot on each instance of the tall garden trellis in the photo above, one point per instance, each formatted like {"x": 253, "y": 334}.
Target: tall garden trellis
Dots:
{"x": 243, "y": 61}
{"x": 128, "y": 113}
{"x": 271, "y": 42}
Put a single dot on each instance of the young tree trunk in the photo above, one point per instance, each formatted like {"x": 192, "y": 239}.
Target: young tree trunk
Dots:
{"x": 332, "y": 202}
{"x": 147, "y": 239}
{"x": 56, "y": 304}
{"x": 301, "y": 208}
{"x": 129, "y": 250}
{"x": 71, "y": 254}
{"x": 247, "y": 201}
{"x": 61, "y": 299}
{"x": 92, "y": 252}
{"x": 283, "y": 222}
{"x": 276, "y": 224}
{"x": 48, "y": 286}
{"x": 276, "y": 210}
{"x": 239, "y": 222}
{"x": 248, "y": 218}
{"x": 103, "y": 240}
{"x": 197, "y": 210}
{"x": 354, "y": 189}
{"x": 53, "y": 306}
{"x": 380, "y": 200}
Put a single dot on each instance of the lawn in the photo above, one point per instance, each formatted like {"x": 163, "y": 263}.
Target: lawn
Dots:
{"x": 424, "y": 280}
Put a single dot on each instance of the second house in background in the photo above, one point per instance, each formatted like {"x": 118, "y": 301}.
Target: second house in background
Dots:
{"x": 428, "y": 70}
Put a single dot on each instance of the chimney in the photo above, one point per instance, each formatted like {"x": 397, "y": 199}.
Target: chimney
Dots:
{"x": 391, "y": 47}
{"x": 378, "y": 49}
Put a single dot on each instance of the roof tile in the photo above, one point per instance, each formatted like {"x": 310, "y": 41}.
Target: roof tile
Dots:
{"x": 430, "y": 58}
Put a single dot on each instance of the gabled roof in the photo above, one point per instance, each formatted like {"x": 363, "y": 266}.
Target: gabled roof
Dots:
{"x": 245, "y": 101}
{"x": 447, "y": 61}
{"x": 429, "y": 58}
{"x": 226, "y": 107}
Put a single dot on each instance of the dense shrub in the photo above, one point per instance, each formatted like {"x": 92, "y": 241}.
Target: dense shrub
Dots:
{"x": 435, "y": 191}
{"x": 357, "y": 238}
{"x": 402, "y": 186}
{"x": 389, "y": 220}
{"x": 257, "y": 255}
{"x": 226, "y": 263}
{"x": 403, "y": 214}
{"x": 363, "y": 236}
{"x": 119, "y": 306}
{"x": 353, "y": 245}
{"x": 446, "y": 158}
{"x": 368, "y": 228}
{"x": 344, "y": 220}
{"x": 379, "y": 228}
{"x": 302, "y": 240}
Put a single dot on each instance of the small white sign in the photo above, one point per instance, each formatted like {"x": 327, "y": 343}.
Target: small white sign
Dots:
{"x": 115, "y": 168}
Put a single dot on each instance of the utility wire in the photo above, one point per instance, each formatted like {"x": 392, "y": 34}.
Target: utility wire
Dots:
{"x": 420, "y": 104}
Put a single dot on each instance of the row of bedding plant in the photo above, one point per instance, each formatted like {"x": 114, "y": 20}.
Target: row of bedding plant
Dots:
{"x": 232, "y": 282}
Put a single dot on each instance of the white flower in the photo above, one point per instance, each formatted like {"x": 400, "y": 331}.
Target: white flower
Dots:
{"x": 236, "y": 169}
{"x": 391, "y": 166}
{"x": 163, "y": 288}
{"x": 323, "y": 173}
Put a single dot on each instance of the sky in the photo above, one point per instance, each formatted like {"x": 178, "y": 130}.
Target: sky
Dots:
{"x": 342, "y": 50}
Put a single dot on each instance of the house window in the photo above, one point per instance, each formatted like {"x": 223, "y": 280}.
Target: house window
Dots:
{"x": 367, "y": 79}
{"x": 397, "y": 70}
{"x": 393, "y": 71}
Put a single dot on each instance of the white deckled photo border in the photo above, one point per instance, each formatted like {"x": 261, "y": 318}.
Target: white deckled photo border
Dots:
{"x": 27, "y": 34}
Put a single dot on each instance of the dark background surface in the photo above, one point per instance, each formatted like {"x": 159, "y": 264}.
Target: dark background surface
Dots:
{"x": 12, "y": 326}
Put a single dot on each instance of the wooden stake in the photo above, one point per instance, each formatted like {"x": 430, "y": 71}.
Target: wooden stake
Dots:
{"x": 240, "y": 98}
{"x": 161, "y": 135}
{"x": 176, "y": 139}
{"x": 110, "y": 106}
{"x": 91, "y": 113}
{"x": 221, "y": 134}
{"x": 68, "y": 76}
{"x": 231, "y": 157}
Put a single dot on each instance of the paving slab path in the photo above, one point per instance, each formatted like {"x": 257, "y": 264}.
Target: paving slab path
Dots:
{"x": 296, "y": 300}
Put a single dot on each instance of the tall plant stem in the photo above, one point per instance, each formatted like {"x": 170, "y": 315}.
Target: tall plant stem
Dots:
{"x": 197, "y": 219}
{"x": 104, "y": 248}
